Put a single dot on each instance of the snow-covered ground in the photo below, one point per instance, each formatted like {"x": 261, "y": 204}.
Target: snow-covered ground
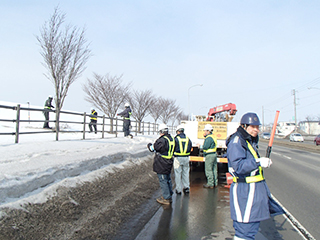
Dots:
{"x": 31, "y": 170}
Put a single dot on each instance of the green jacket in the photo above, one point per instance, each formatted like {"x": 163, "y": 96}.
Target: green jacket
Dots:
{"x": 208, "y": 144}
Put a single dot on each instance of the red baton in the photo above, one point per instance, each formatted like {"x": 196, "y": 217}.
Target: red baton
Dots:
{"x": 272, "y": 134}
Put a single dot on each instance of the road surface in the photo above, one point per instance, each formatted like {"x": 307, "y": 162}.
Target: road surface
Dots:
{"x": 294, "y": 180}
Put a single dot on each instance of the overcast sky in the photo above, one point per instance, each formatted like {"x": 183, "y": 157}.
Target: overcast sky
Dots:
{"x": 251, "y": 53}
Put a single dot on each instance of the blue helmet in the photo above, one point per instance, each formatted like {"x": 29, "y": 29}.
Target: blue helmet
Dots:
{"x": 250, "y": 119}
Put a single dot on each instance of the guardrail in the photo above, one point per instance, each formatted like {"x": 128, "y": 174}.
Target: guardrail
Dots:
{"x": 107, "y": 125}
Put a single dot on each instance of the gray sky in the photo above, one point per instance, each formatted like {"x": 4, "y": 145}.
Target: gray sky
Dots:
{"x": 251, "y": 53}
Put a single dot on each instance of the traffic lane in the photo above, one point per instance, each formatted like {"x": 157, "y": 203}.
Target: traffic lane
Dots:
{"x": 205, "y": 214}
{"x": 285, "y": 140}
{"x": 294, "y": 180}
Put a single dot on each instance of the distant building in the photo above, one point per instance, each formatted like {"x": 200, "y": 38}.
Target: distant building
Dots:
{"x": 285, "y": 128}
{"x": 310, "y": 127}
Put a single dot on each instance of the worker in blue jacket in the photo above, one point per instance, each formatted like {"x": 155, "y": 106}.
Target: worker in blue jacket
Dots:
{"x": 250, "y": 198}
{"x": 126, "y": 114}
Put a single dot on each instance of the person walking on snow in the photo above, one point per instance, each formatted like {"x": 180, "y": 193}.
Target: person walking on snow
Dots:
{"x": 181, "y": 166}
{"x": 93, "y": 120}
{"x": 209, "y": 152}
{"x": 126, "y": 114}
{"x": 47, "y": 107}
{"x": 163, "y": 161}
{"x": 250, "y": 198}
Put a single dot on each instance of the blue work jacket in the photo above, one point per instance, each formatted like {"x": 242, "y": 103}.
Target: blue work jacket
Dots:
{"x": 249, "y": 202}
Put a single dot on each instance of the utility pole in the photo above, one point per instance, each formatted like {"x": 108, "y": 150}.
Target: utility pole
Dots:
{"x": 295, "y": 107}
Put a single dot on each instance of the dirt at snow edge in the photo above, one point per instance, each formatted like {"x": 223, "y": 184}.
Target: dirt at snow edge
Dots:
{"x": 92, "y": 210}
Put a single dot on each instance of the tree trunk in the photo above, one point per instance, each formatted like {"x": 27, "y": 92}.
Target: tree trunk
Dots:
{"x": 57, "y": 123}
{"x": 111, "y": 125}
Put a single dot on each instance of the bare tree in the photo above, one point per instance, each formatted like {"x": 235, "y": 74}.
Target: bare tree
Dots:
{"x": 181, "y": 116}
{"x": 175, "y": 116}
{"x": 169, "y": 109}
{"x": 107, "y": 93}
{"x": 140, "y": 101}
{"x": 155, "y": 110}
{"x": 65, "y": 54}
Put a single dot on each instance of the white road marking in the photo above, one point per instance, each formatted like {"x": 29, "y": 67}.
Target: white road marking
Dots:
{"x": 294, "y": 222}
{"x": 281, "y": 155}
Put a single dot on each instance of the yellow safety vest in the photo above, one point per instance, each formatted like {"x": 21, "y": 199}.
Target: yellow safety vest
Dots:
{"x": 183, "y": 151}
{"x": 93, "y": 118}
{"x": 211, "y": 150}
{"x": 171, "y": 148}
{"x": 256, "y": 178}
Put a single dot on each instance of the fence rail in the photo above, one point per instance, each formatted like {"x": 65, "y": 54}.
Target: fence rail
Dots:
{"x": 104, "y": 124}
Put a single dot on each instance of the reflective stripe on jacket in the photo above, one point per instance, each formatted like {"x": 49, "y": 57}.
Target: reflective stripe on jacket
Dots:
{"x": 212, "y": 148}
{"x": 128, "y": 118}
{"x": 183, "y": 146}
{"x": 253, "y": 178}
{"x": 169, "y": 155}
{"x": 93, "y": 113}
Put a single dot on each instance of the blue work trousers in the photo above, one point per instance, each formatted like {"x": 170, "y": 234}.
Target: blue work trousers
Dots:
{"x": 166, "y": 185}
{"x": 246, "y": 230}
{"x": 181, "y": 172}
{"x": 126, "y": 127}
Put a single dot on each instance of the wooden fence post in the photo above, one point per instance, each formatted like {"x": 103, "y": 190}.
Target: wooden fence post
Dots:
{"x": 103, "y": 121}
{"x": 17, "y": 123}
{"x": 116, "y": 127}
{"x": 136, "y": 128}
{"x": 57, "y": 117}
{"x": 84, "y": 125}
{"x": 142, "y": 128}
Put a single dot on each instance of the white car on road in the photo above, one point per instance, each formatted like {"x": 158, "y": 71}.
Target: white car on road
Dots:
{"x": 296, "y": 137}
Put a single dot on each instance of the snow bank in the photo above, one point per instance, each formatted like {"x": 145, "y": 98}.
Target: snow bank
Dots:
{"x": 32, "y": 170}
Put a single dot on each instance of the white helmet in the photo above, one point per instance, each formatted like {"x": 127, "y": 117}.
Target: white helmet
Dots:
{"x": 92, "y": 109}
{"x": 208, "y": 127}
{"x": 50, "y": 96}
{"x": 163, "y": 128}
{"x": 180, "y": 128}
{"x": 127, "y": 105}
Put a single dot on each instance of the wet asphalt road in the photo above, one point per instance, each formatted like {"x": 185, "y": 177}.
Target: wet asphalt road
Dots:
{"x": 204, "y": 214}
{"x": 294, "y": 180}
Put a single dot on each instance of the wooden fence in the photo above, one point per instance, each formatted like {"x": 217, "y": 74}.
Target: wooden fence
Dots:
{"x": 104, "y": 124}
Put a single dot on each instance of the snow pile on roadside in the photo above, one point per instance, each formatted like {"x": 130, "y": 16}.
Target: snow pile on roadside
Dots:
{"x": 37, "y": 167}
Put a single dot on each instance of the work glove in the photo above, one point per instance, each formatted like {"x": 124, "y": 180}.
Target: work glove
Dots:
{"x": 150, "y": 147}
{"x": 264, "y": 162}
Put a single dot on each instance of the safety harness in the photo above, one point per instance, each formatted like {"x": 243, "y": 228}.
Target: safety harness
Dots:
{"x": 251, "y": 179}
{"x": 183, "y": 150}
{"x": 171, "y": 148}
{"x": 211, "y": 150}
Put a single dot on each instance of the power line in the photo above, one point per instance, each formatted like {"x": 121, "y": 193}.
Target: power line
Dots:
{"x": 310, "y": 84}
